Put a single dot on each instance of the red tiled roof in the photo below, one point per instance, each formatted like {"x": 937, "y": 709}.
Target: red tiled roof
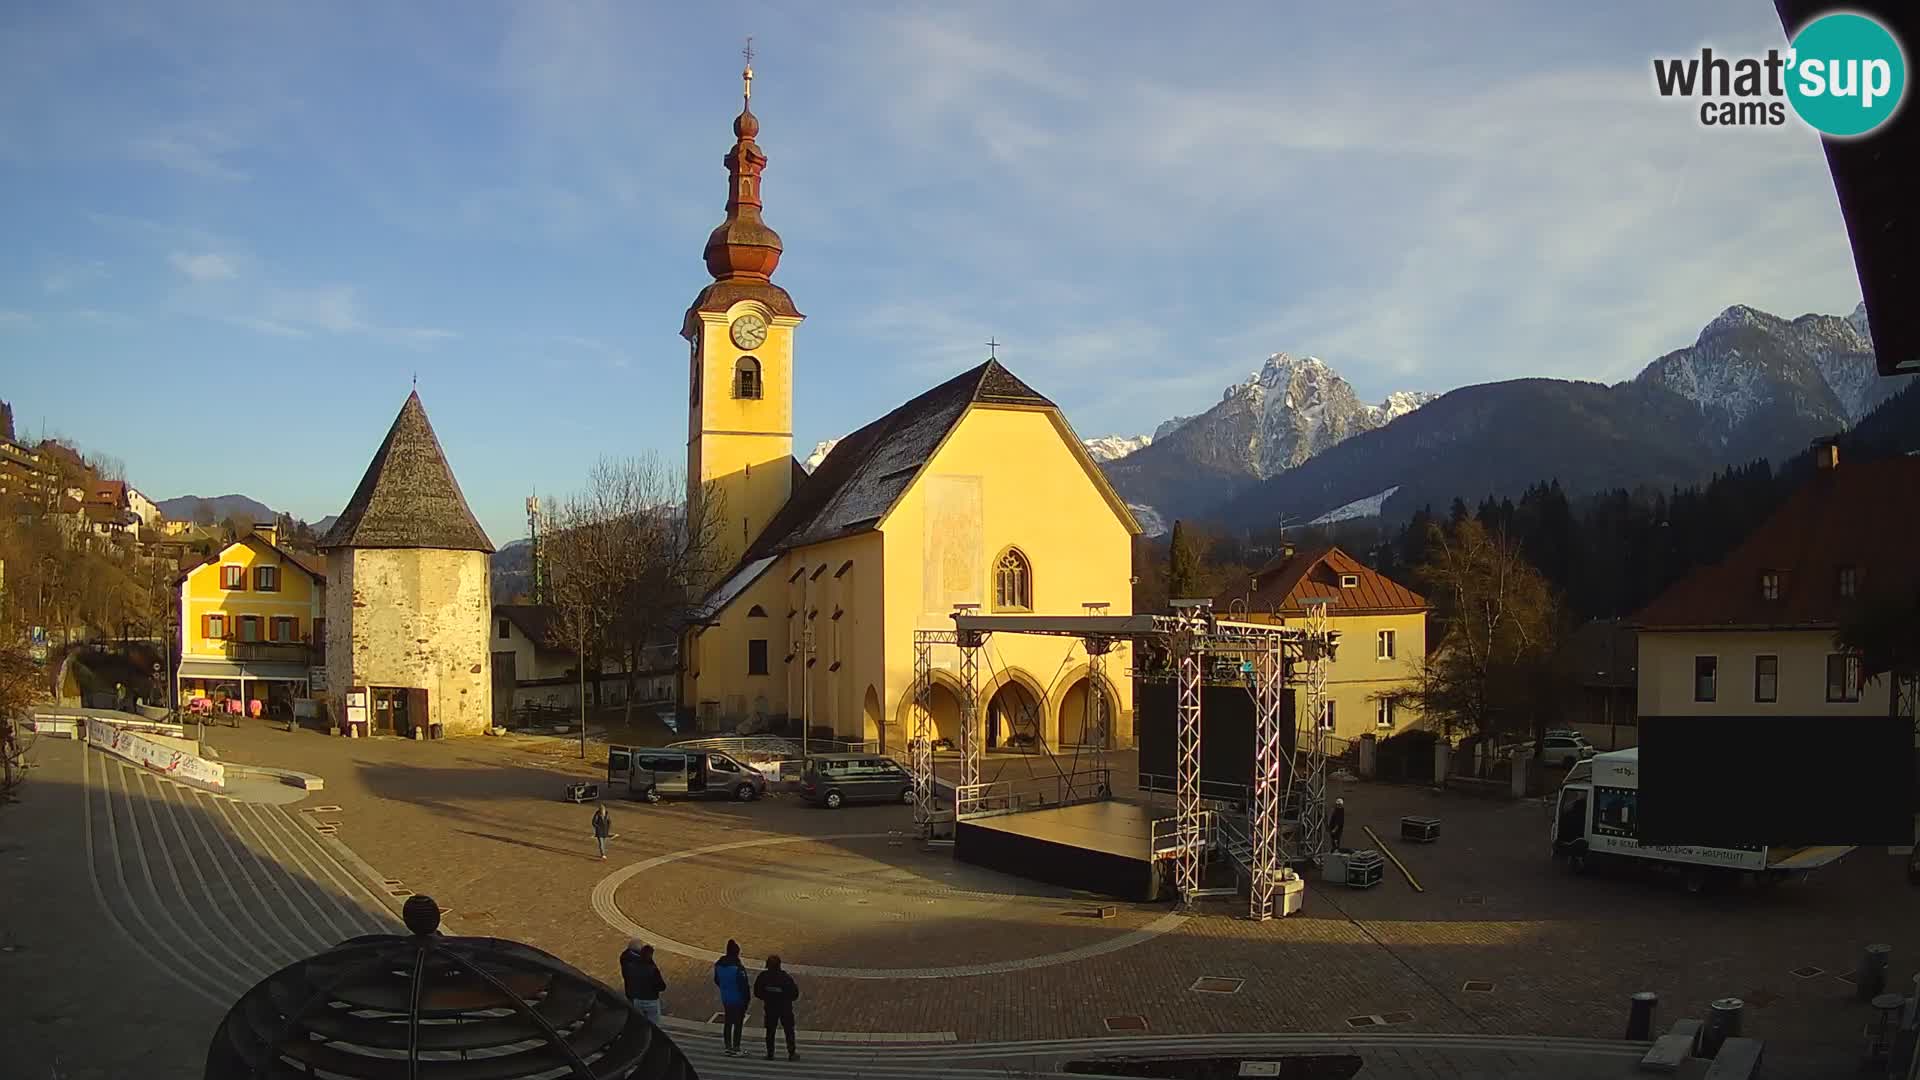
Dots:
{"x": 1287, "y": 583}
{"x": 1863, "y": 515}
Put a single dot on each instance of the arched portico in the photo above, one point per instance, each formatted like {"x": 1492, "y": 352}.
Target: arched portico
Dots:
{"x": 1016, "y": 711}
{"x": 1070, "y": 709}
{"x": 943, "y": 702}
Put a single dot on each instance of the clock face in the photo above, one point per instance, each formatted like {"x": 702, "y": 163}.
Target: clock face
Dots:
{"x": 749, "y": 331}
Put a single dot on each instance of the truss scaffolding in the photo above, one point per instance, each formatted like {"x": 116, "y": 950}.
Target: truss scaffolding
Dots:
{"x": 1286, "y": 815}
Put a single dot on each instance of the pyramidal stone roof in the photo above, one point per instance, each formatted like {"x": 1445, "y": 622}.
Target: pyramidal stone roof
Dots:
{"x": 408, "y": 498}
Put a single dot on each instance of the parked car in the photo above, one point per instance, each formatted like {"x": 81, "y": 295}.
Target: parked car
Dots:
{"x": 1562, "y": 751}
{"x": 652, "y": 773}
{"x": 1563, "y": 748}
{"x": 834, "y": 780}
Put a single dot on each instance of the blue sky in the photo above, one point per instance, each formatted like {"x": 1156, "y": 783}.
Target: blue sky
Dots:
{"x": 236, "y": 231}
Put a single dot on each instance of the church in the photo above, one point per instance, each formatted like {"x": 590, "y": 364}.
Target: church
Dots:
{"x": 975, "y": 493}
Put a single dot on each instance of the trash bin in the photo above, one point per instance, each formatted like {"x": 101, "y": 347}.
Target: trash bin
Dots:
{"x": 1640, "y": 1016}
{"x": 1723, "y": 1023}
{"x": 433, "y": 730}
{"x": 1870, "y": 978}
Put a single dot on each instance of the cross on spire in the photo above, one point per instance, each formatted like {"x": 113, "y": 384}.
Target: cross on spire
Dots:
{"x": 746, "y": 72}
{"x": 993, "y": 349}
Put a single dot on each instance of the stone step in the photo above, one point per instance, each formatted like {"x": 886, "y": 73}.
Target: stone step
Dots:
{"x": 1738, "y": 1059}
{"x": 1669, "y": 1052}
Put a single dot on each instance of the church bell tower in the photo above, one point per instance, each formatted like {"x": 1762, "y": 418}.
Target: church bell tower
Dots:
{"x": 739, "y": 333}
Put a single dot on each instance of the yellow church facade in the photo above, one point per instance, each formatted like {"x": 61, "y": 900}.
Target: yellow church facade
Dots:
{"x": 975, "y": 493}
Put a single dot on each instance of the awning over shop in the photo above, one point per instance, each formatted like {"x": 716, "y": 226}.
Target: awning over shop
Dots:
{"x": 253, "y": 669}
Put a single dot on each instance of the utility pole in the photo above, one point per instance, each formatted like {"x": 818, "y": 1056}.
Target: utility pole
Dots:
{"x": 581, "y": 658}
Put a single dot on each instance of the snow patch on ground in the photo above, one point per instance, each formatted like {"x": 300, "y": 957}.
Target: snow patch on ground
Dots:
{"x": 1358, "y": 508}
{"x": 1151, "y": 523}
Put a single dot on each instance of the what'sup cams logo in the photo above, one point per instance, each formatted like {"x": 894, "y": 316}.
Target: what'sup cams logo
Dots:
{"x": 1843, "y": 75}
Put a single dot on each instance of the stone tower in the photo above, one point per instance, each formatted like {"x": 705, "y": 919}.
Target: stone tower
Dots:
{"x": 739, "y": 331}
{"x": 408, "y": 594}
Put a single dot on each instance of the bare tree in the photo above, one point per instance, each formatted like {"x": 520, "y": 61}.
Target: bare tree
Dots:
{"x": 627, "y": 564}
{"x": 1489, "y": 673}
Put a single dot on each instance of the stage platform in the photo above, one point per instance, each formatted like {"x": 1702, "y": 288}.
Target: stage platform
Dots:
{"x": 1103, "y": 847}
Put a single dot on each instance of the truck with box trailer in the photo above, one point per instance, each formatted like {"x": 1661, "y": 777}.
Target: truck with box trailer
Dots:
{"x": 1596, "y": 815}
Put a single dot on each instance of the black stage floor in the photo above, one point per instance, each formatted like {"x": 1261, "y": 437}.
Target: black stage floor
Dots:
{"x": 1103, "y": 847}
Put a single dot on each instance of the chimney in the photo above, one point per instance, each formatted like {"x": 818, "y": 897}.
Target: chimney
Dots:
{"x": 1826, "y": 454}
{"x": 268, "y": 533}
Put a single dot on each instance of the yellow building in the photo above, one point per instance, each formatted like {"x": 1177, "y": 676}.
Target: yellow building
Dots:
{"x": 1752, "y": 635}
{"x": 975, "y": 492}
{"x": 1382, "y": 626}
{"x": 252, "y": 624}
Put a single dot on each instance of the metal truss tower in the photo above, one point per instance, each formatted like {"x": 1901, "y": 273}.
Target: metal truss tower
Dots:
{"x": 972, "y": 731}
{"x": 1317, "y": 650}
{"x": 1189, "y": 647}
{"x": 1263, "y": 817}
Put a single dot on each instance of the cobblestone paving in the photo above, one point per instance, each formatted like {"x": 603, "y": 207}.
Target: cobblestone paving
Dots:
{"x": 480, "y": 824}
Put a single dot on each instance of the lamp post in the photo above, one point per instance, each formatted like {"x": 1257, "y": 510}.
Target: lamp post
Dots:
{"x": 581, "y": 657}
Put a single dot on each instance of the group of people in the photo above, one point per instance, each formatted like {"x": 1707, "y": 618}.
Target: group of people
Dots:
{"x": 774, "y": 988}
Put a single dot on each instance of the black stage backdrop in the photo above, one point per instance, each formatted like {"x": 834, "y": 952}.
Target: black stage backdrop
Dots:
{"x": 1226, "y": 731}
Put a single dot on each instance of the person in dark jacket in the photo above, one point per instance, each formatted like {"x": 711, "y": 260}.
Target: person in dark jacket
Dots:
{"x": 1336, "y": 823}
{"x": 730, "y": 975}
{"x": 777, "y": 992}
{"x": 642, "y": 977}
{"x": 602, "y": 830}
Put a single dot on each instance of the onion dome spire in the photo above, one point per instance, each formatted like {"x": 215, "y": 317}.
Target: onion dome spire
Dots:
{"x": 743, "y": 247}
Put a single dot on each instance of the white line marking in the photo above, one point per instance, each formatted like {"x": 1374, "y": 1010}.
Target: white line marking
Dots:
{"x": 99, "y": 894}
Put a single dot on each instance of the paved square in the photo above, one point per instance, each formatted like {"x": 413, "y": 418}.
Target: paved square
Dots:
{"x": 889, "y": 938}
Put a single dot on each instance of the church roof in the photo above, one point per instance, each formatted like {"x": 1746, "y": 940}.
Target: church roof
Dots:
{"x": 869, "y": 470}
{"x": 408, "y": 497}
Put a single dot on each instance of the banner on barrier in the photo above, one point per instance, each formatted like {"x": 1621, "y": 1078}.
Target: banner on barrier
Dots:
{"x": 157, "y": 756}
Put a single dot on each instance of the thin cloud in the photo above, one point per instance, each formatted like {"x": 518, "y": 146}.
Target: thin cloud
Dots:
{"x": 196, "y": 155}
{"x": 15, "y": 319}
{"x": 68, "y": 275}
{"x": 329, "y": 309}
{"x": 203, "y": 266}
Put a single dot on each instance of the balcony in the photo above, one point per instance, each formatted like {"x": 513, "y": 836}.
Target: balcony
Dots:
{"x": 285, "y": 652}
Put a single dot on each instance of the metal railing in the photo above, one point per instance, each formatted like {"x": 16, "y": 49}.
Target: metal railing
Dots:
{"x": 985, "y": 800}
{"x": 1214, "y": 794}
{"x": 1169, "y": 838}
{"x": 291, "y": 652}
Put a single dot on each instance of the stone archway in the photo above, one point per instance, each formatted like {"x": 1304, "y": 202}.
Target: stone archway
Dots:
{"x": 1072, "y": 714}
{"x": 1016, "y": 716}
{"x": 870, "y": 717}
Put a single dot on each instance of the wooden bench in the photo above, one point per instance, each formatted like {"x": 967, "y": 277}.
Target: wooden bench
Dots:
{"x": 1739, "y": 1059}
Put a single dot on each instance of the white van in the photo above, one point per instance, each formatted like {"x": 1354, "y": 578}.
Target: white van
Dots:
{"x": 654, "y": 773}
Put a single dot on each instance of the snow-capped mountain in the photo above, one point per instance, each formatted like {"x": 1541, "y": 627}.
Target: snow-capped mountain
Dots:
{"x": 1288, "y": 411}
{"x": 1747, "y": 365}
{"x": 1115, "y": 447}
{"x": 820, "y": 451}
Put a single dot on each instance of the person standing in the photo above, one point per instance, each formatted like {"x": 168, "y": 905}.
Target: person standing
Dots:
{"x": 777, "y": 992}
{"x": 642, "y": 977}
{"x": 730, "y": 975}
{"x": 1336, "y": 823}
{"x": 602, "y": 829}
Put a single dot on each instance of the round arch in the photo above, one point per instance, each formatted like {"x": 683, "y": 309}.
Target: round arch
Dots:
{"x": 1068, "y": 706}
{"x": 1015, "y": 705}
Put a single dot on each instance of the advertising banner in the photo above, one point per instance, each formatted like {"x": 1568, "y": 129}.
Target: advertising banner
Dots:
{"x": 155, "y": 755}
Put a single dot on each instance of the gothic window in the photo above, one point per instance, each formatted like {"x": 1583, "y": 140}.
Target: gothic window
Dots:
{"x": 756, "y": 612}
{"x": 1013, "y": 582}
{"x": 746, "y": 378}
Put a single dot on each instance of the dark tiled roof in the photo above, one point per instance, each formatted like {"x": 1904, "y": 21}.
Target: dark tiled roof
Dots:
{"x": 408, "y": 498}
{"x": 1862, "y": 515}
{"x": 868, "y": 470}
{"x": 314, "y": 565}
{"x": 534, "y": 620}
{"x": 1287, "y": 583}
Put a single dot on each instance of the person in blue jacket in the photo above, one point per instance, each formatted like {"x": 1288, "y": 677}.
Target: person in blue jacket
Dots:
{"x": 736, "y": 989}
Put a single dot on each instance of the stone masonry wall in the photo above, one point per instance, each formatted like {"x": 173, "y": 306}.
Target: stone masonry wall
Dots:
{"x": 415, "y": 617}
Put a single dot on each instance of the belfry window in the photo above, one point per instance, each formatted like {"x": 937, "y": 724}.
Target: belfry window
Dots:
{"x": 1013, "y": 582}
{"x": 746, "y": 378}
